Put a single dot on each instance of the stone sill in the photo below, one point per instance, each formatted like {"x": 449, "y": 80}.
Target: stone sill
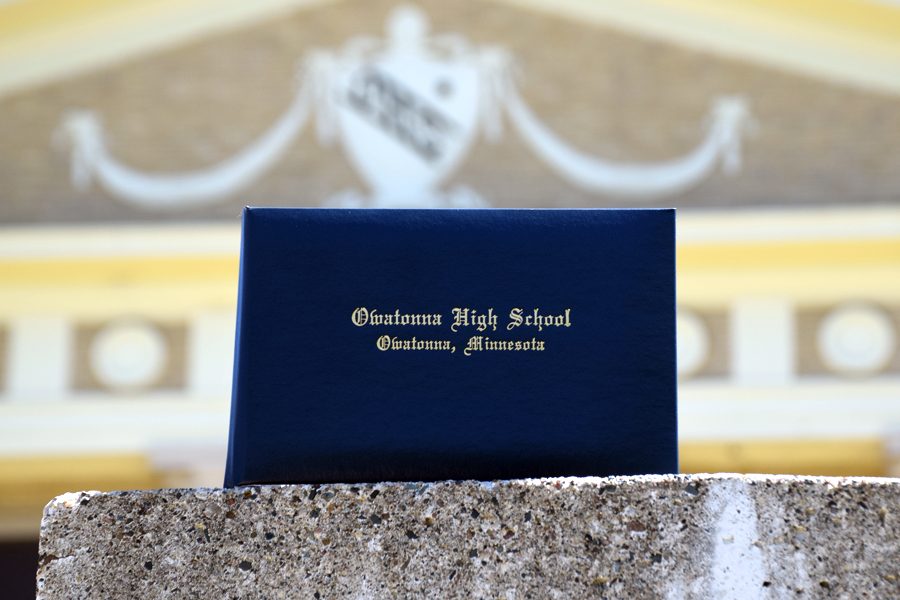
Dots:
{"x": 671, "y": 536}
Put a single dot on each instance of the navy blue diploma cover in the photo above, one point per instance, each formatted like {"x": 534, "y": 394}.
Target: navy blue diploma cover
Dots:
{"x": 417, "y": 345}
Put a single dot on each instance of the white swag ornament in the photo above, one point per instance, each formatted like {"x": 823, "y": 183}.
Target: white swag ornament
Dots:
{"x": 405, "y": 110}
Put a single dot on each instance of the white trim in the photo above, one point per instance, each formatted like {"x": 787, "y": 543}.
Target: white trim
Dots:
{"x": 96, "y": 423}
{"x": 117, "y": 240}
{"x": 788, "y": 224}
{"x": 211, "y": 353}
{"x": 810, "y": 409}
{"x": 762, "y": 340}
{"x": 39, "y": 357}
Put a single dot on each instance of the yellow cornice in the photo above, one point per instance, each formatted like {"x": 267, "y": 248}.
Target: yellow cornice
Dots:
{"x": 854, "y": 42}
{"x": 863, "y": 21}
{"x": 45, "y": 40}
{"x": 28, "y": 17}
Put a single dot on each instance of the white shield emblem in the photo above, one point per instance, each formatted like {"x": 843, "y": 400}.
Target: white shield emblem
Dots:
{"x": 407, "y": 115}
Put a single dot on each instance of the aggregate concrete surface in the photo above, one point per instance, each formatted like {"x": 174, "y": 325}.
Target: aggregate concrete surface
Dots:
{"x": 667, "y": 536}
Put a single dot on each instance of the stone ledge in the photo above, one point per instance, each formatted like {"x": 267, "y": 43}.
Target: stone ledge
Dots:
{"x": 706, "y": 536}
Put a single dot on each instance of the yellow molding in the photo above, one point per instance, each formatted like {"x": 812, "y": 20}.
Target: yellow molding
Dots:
{"x": 784, "y": 255}
{"x": 34, "y": 481}
{"x": 718, "y": 287}
{"x": 27, "y": 484}
{"x": 709, "y": 274}
{"x": 856, "y": 17}
{"x": 815, "y": 457}
{"x": 866, "y": 457}
{"x": 731, "y": 257}
{"x": 29, "y": 470}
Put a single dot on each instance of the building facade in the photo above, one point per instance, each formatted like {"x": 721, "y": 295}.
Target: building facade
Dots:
{"x": 124, "y": 166}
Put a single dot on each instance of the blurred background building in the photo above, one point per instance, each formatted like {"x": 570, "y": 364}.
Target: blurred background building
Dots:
{"x": 132, "y": 133}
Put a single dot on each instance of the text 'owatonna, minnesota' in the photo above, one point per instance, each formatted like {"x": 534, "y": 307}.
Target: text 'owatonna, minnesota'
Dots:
{"x": 459, "y": 319}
